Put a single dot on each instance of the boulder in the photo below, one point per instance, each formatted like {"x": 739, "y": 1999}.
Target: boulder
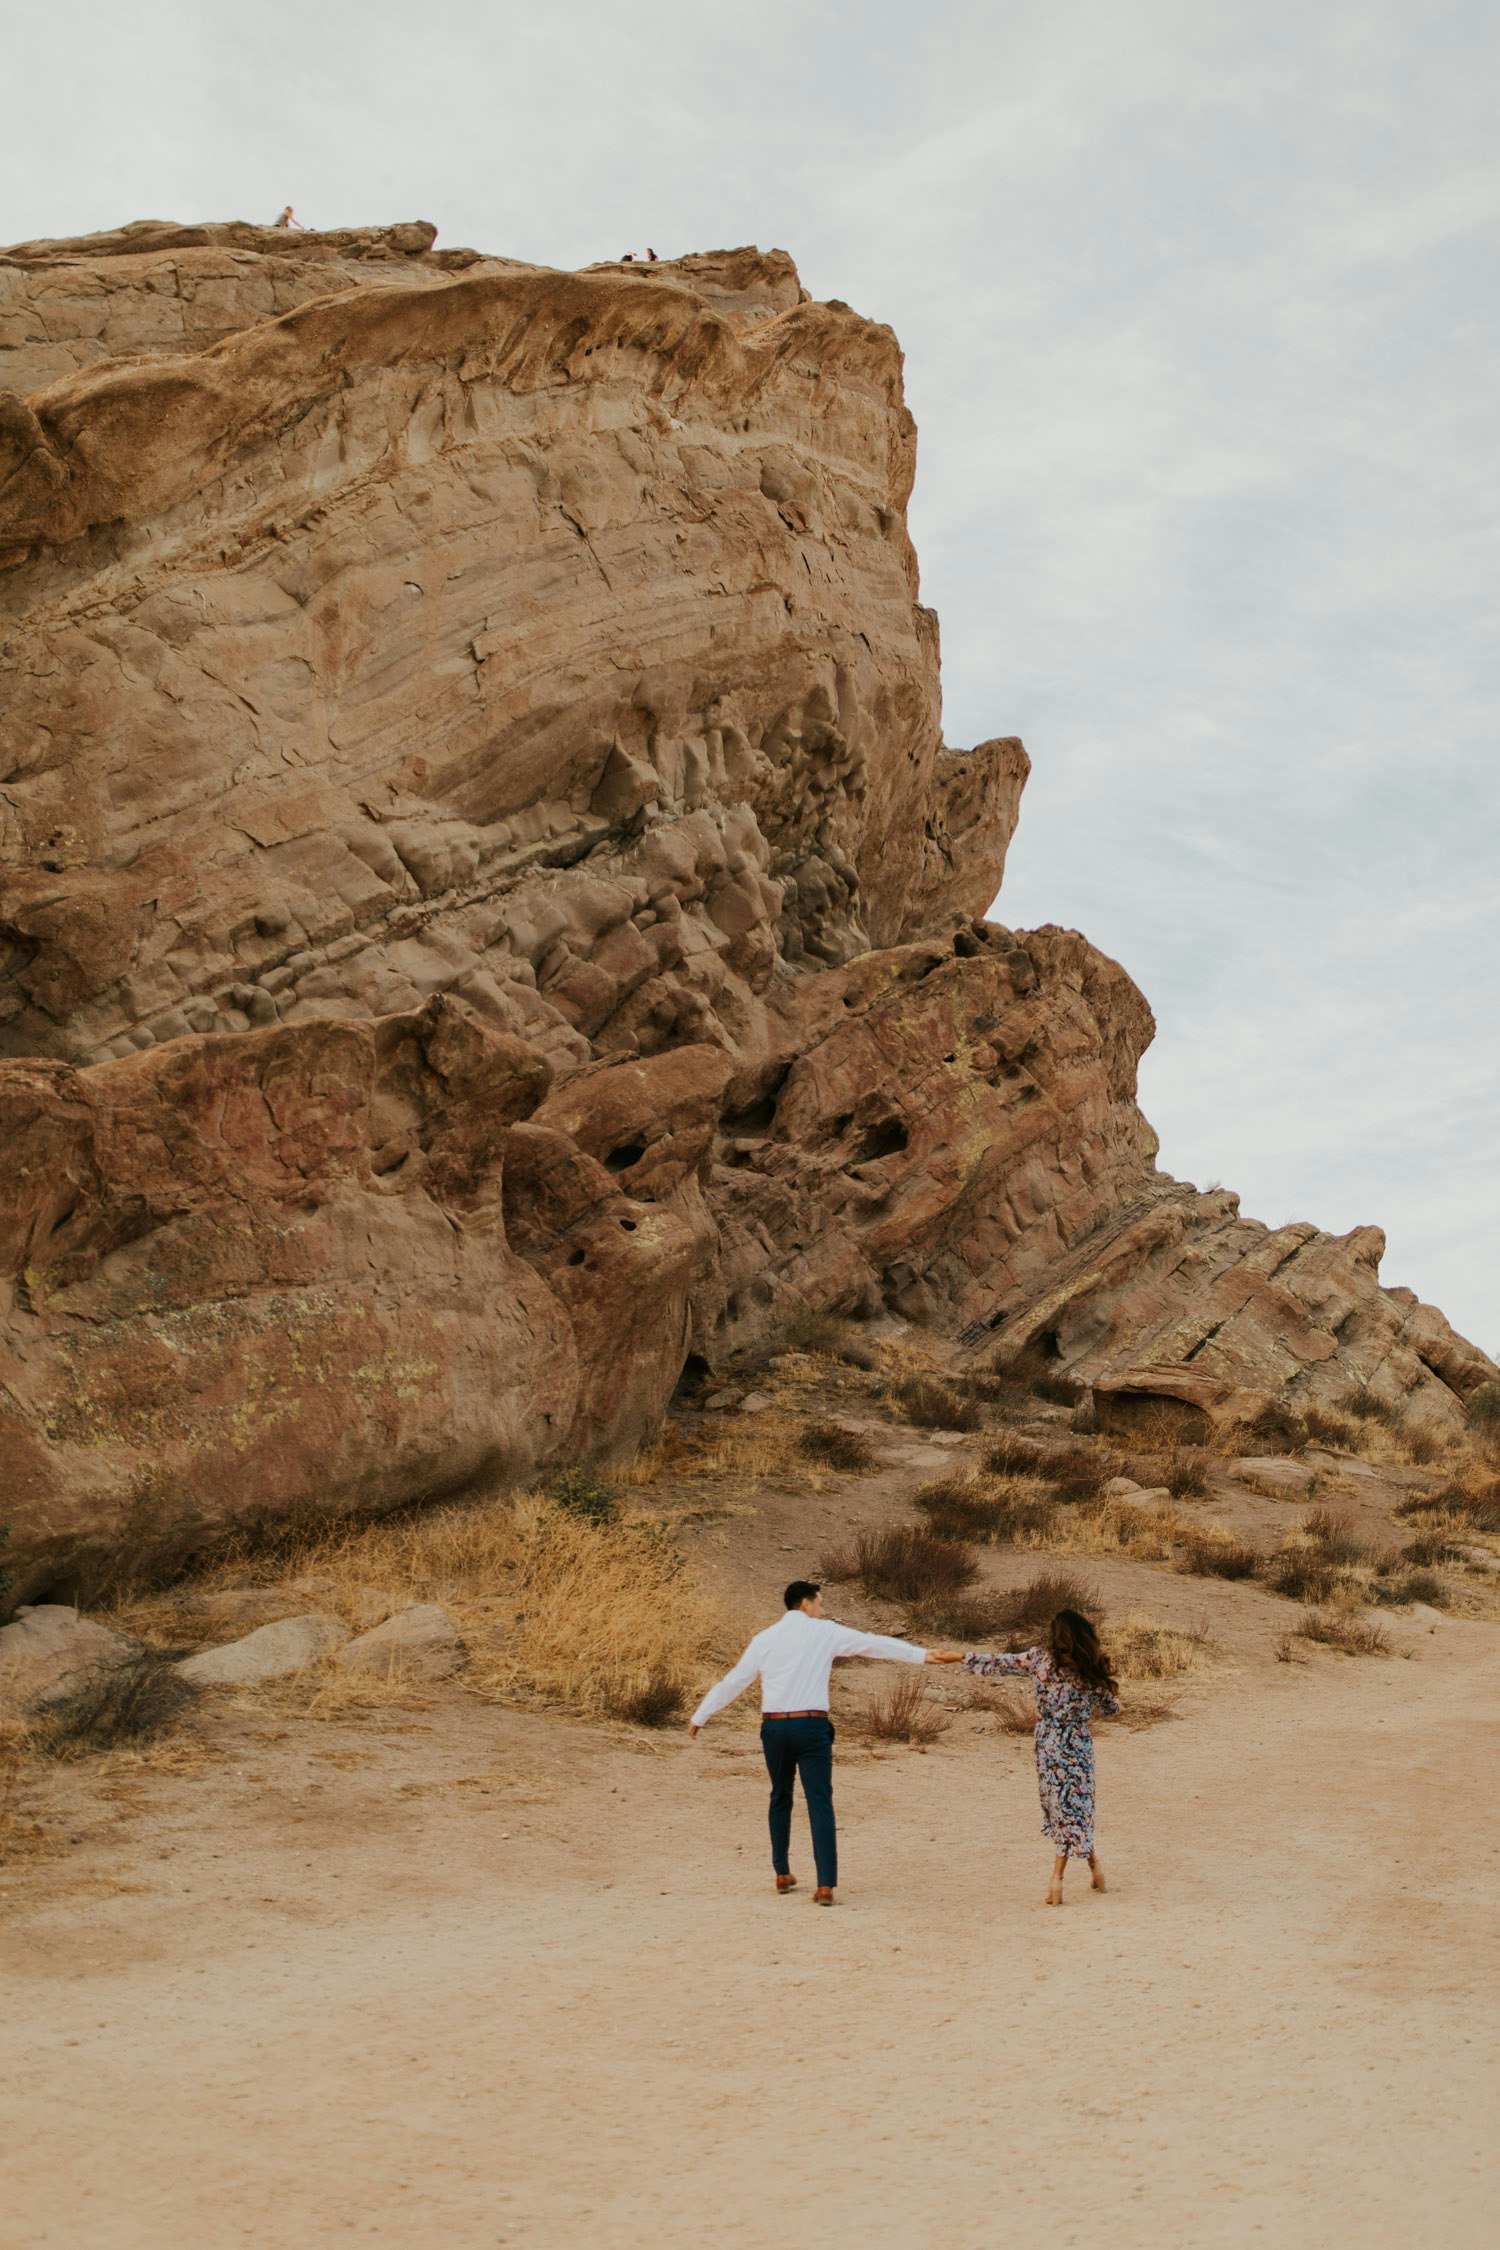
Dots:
{"x": 271, "y": 1653}
{"x": 1275, "y": 1474}
{"x": 418, "y": 1643}
{"x": 48, "y": 1649}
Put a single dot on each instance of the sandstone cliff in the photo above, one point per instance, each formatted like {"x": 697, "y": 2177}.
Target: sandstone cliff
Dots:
{"x": 486, "y": 908}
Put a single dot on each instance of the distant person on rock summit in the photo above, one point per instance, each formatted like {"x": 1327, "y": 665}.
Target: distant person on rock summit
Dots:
{"x": 289, "y": 219}
{"x": 793, "y": 1660}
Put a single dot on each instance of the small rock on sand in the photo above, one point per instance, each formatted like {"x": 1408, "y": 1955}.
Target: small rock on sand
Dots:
{"x": 269, "y": 1654}
{"x": 419, "y": 1643}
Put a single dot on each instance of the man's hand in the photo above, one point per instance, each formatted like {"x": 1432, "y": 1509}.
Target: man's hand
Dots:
{"x": 693, "y": 1731}
{"x": 944, "y": 1656}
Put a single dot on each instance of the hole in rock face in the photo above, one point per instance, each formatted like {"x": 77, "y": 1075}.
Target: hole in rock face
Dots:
{"x": 620, "y": 1159}
{"x": 576, "y": 1257}
{"x": 629, "y": 1225}
{"x": 888, "y": 1138}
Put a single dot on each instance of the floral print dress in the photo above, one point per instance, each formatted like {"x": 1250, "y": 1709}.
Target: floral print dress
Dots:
{"x": 1064, "y": 1744}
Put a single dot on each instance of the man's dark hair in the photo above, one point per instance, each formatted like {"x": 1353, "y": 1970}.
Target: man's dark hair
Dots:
{"x": 800, "y": 1590}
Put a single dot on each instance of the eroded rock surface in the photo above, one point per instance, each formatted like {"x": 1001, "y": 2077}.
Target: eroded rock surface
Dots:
{"x": 486, "y": 908}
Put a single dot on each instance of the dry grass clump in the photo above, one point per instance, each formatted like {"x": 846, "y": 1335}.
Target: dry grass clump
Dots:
{"x": 1354, "y": 1636}
{"x": 1184, "y": 1470}
{"x": 964, "y": 1507}
{"x": 905, "y": 1713}
{"x": 121, "y": 1706}
{"x": 1482, "y": 1412}
{"x": 607, "y": 1619}
{"x": 1030, "y": 1609}
{"x": 1122, "y": 1527}
{"x": 829, "y": 1337}
{"x": 1032, "y": 1370}
{"x": 1396, "y": 1587}
{"x": 1275, "y": 1429}
{"x": 737, "y": 1453}
{"x": 843, "y": 1449}
{"x": 1214, "y": 1555}
{"x": 904, "y": 1564}
{"x": 1320, "y": 1563}
{"x": 1329, "y": 1428}
{"x": 1141, "y": 1649}
{"x": 1076, "y": 1471}
{"x": 1430, "y": 1547}
{"x": 1012, "y": 1456}
{"x": 554, "y": 1603}
{"x": 1469, "y": 1507}
{"x": 934, "y": 1405}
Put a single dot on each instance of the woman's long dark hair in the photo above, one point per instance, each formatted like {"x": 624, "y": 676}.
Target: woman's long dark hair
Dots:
{"x": 1075, "y": 1646}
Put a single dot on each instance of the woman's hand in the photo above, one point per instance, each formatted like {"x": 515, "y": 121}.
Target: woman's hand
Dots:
{"x": 943, "y": 1656}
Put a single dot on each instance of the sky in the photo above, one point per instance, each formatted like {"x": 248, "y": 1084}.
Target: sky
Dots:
{"x": 1201, "y": 325}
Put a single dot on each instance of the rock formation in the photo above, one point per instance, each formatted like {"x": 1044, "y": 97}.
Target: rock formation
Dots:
{"x": 486, "y": 909}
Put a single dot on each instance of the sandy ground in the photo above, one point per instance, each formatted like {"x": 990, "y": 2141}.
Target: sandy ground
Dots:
{"x": 472, "y": 1977}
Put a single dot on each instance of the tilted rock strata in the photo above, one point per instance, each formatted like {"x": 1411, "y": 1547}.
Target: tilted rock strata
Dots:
{"x": 486, "y": 908}
{"x": 1183, "y": 1300}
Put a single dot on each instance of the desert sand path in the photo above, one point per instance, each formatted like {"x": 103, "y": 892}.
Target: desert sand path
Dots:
{"x": 373, "y": 2001}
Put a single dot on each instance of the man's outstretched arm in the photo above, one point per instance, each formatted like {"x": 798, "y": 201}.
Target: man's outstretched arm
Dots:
{"x": 889, "y": 1650}
{"x": 724, "y": 1691}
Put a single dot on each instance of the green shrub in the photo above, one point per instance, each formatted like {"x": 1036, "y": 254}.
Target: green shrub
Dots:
{"x": 581, "y": 1491}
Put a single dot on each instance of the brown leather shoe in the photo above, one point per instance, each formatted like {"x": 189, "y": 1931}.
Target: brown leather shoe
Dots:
{"x": 823, "y": 1895}
{"x": 786, "y": 1882}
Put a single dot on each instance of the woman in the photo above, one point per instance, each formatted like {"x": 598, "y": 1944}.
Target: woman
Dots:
{"x": 1073, "y": 1679}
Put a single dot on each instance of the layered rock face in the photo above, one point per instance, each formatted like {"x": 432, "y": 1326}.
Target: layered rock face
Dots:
{"x": 487, "y": 908}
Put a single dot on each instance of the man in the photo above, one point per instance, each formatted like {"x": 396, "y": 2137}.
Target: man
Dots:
{"x": 792, "y": 1660}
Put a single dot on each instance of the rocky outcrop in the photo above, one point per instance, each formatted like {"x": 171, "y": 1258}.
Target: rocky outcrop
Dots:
{"x": 486, "y": 908}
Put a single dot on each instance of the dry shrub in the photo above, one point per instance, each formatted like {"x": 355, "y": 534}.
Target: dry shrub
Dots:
{"x": 1361, "y": 1405}
{"x": 1014, "y": 1708}
{"x": 961, "y": 1507}
{"x": 847, "y": 1450}
{"x": 608, "y": 1621}
{"x": 1430, "y": 1547}
{"x": 1032, "y": 1607}
{"x": 1143, "y": 1650}
{"x": 904, "y": 1564}
{"x": 598, "y": 1617}
{"x": 1122, "y": 1527}
{"x": 829, "y": 1337}
{"x": 1215, "y": 1556}
{"x": 1012, "y": 1456}
{"x": 961, "y": 1616}
{"x": 1333, "y": 1534}
{"x": 1421, "y": 1444}
{"x": 1482, "y": 1412}
{"x": 905, "y": 1713}
{"x": 737, "y": 1453}
{"x": 1275, "y": 1429}
{"x": 933, "y": 1405}
{"x": 1355, "y": 1636}
{"x": 1303, "y": 1575}
{"x": 1395, "y": 1587}
{"x": 1329, "y": 1428}
{"x": 1186, "y": 1475}
{"x": 1034, "y": 1371}
{"x": 1471, "y": 1507}
{"x": 120, "y": 1706}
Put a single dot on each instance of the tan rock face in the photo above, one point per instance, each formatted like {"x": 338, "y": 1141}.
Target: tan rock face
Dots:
{"x": 486, "y": 908}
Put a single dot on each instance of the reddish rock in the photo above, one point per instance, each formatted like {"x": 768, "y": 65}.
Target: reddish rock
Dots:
{"x": 486, "y": 906}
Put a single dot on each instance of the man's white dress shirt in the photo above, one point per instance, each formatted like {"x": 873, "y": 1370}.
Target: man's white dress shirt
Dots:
{"x": 792, "y": 1660}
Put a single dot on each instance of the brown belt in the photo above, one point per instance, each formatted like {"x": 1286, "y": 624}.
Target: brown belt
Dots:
{"x": 796, "y": 1714}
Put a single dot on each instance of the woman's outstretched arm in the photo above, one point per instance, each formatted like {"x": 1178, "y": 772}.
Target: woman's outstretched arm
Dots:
{"x": 987, "y": 1666}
